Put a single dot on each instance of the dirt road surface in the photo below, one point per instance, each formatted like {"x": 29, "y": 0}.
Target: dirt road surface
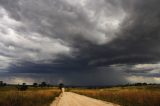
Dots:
{"x": 73, "y": 99}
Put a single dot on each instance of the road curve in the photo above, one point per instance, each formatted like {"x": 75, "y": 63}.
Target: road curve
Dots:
{"x": 73, "y": 99}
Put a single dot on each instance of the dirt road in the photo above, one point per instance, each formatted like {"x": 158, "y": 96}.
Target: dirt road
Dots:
{"x": 73, "y": 99}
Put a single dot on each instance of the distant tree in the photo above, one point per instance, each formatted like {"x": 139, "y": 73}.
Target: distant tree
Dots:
{"x": 35, "y": 85}
{"x": 23, "y": 84}
{"x": 61, "y": 85}
{"x": 22, "y": 87}
{"x": 4, "y": 84}
{"x": 137, "y": 84}
{"x": 43, "y": 84}
{"x": 144, "y": 83}
{"x": 1, "y": 83}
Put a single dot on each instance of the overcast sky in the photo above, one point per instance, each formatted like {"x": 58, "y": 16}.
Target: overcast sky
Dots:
{"x": 80, "y": 42}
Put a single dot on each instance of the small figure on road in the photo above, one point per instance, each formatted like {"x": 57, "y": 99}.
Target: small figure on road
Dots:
{"x": 63, "y": 90}
{"x": 61, "y": 87}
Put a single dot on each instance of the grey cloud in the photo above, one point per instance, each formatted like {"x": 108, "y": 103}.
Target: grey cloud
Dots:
{"x": 61, "y": 19}
{"x": 72, "y": 40}
{"x": 17, "y": 46}
{"x": 98, "y": 76}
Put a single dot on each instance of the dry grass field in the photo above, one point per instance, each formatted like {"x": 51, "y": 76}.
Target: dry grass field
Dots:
{"x": 9, "y": 96}
{"x": 125, "y": 96}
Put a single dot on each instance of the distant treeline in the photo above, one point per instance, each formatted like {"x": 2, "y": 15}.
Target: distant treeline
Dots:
{"x": 42, "y": 84}
{"x": 24, "y": 86}
{"x": 110, "y": 86}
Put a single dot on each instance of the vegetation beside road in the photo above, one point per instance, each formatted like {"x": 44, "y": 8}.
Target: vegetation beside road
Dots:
{"x": 126, "y": 96}
{"x": 43, "y": 94}
{"x": 10, "y": 96}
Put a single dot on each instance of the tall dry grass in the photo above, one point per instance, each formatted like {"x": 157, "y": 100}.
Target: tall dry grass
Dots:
{"x": 27, "y": 98}
{"x": 125, "y": 97}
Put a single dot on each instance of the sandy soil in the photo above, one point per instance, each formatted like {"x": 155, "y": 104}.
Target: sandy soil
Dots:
{"x": 73, "y": 99}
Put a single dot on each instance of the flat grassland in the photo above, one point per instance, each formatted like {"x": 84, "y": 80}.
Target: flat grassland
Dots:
{"x": 125, "y": 96}
{"x": 10, "y": 96}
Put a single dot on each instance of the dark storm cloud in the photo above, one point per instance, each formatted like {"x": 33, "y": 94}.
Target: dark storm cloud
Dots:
{"x": 93, "y": 38}
{"x": 66, "y": 19}
{"x": 75, "y": 76}
{"x": 138, "y": 40}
